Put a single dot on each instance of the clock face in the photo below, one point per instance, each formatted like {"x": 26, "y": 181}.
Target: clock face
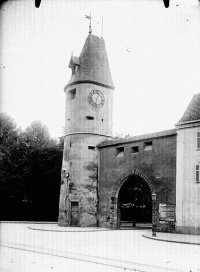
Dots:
{"x": 96, "y": 99}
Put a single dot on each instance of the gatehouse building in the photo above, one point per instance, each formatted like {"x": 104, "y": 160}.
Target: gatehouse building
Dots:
{"x": 109, "y": 182}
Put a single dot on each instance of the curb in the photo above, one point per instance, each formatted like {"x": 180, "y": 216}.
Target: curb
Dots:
{"x": 87, "y": 230}
{"x": 170, "y": 241}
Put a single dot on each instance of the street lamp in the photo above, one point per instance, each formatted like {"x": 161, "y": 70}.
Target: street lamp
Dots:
{"x": 154, "y": 214}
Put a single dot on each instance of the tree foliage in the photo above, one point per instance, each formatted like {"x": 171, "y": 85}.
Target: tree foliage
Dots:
{"x": 30, "y": 164}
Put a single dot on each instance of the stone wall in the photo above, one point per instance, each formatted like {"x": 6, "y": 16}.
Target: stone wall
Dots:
{"x": 157, "y": 167}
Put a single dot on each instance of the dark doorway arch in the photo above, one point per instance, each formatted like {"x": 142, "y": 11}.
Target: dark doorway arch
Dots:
{"x": 134, "y": 204}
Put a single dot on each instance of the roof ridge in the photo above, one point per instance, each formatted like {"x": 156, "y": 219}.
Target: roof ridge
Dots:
{"x": 146, "y": 136}
{"x": 192, "y": 112}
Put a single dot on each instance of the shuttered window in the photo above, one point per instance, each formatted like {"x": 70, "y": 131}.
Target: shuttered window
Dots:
{"x": 197, "y": 177}
{"x": 198, "y": 140}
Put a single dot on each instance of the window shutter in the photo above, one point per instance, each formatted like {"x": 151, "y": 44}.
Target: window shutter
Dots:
{"x": 198, "y": 140}
{"x": 197, "y": 173}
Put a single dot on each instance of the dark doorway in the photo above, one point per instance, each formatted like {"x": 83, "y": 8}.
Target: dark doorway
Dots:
{"x": 135, "y": 204}
{"x": 74, "y": 213}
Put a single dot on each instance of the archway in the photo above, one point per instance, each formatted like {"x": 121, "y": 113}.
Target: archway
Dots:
{"x": 134, "y": 203}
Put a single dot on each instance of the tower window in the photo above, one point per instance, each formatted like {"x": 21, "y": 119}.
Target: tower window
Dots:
{"x": 197, "y": 170}
{"x": 120, "y": 152}
{"x": 102, "y": 120}
{"x": 148, "y": 146}
{"x": 72, "y": 94}
{"x": 134, "y": 149}
{"x": 74, "y": 69}
{"x": 90, "y": 117}
{"x": 198, "y": 140}
{"x": 91, "y": 147}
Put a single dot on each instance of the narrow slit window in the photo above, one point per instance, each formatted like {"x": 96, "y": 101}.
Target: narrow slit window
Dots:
{"x": 72, "y": 94}
{"x": 197, "y": 177}
{"x": 198, "y": 140}
{"x": 148, "y": 146}
{"x": 134, "y": 149}
{"x": 90, "y": 117}
{"x": 120, "y": 152}
{"x": 91, "y": 147}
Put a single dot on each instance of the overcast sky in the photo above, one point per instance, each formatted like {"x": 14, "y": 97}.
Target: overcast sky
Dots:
{"x": 154, "y": 56}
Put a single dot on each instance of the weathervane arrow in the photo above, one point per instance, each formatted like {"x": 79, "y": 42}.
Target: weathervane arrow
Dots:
{"x": 90, "y": 18}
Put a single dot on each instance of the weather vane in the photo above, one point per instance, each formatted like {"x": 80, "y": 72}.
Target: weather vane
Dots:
{"x": 90, "y": 18}
{"x": 90, "y": 27}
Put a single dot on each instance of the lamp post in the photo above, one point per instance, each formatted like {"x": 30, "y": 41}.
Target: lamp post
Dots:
{"x": 154, "y": 214}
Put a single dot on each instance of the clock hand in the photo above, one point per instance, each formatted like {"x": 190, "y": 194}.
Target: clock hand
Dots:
{"x": 97, "y": 98}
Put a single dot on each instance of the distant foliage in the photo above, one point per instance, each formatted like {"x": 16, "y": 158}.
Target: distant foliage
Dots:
{"x": 30, "y": 166}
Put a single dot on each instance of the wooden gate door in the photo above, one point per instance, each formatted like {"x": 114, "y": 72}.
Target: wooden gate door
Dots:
{"x": 74, "y": 213}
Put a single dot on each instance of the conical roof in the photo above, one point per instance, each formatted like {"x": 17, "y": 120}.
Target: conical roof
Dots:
{"x": 192, "y": 112}
{"x": 94, "y": 65}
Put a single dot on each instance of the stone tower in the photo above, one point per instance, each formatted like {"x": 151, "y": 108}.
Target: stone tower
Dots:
{"x": 88, "y": 122}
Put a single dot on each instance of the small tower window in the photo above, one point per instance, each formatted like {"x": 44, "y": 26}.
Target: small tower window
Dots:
{"x": 198, "y": 140}
{"x": 120, "y": 152}
{"x": 148, "y": 146}
{"x": 91, "y": 147}
{"x": 72, "y": 94}
{"x": 134, "y": 149}
{"x": 90, "y": 117}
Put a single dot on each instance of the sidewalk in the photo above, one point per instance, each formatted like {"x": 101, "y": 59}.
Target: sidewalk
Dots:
{"x": 174, "y": 238}
{"x": 160, "y": 236}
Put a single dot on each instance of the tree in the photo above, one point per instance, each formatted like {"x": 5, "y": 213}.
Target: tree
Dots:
{"x": 37, "y": 135}
{"x": 30, "y": 165}
{"x": 11, "y": 186}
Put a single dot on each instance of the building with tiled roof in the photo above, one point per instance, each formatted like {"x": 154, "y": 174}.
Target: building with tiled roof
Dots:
{"x": 111, "y": 182}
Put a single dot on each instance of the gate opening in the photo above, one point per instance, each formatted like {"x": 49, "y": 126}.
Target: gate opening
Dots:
{"x": 134, "y": 204}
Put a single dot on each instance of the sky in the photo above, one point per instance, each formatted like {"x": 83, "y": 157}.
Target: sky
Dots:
{"x": 154, "y": 56}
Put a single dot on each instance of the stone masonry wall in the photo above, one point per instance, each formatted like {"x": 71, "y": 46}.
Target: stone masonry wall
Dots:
{"x": 158, "y": 166}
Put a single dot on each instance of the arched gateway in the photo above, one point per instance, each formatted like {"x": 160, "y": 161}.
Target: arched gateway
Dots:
{"x": 131, "y": 200}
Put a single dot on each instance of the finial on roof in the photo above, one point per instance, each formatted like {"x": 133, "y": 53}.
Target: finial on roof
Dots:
{"x": 90, "y": 26}
{"x": 102, "y": 27}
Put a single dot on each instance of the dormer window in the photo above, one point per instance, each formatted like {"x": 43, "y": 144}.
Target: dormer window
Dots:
{"x": 74, "y": 64}
{"x": 74, "y": 69}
